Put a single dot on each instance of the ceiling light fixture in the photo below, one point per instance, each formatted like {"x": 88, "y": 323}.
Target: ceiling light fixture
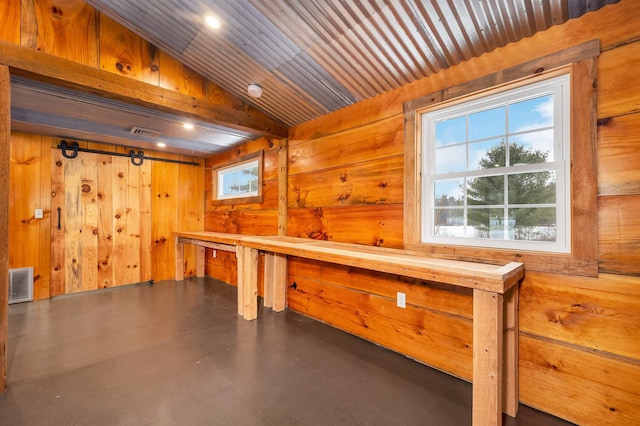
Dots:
{"x": 212, "y": 21}
{"x": 188, "y": 126}
{"x": 161, "y": 144}
{"x": 254, "y": 90}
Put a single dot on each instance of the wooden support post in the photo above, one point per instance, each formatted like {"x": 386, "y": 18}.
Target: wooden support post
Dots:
{"x": 268, "y": 279}
{"x": 241, "y": 278}
{"x": 5, "y": 139}
{"x": 249, "y": 289}
{"x": 487, "y": 357}
{"x": 279, "y": 279}
{"x": 511, "y": 395}
{"x": 200, "y": 261}
{"x": 179, "y": 253}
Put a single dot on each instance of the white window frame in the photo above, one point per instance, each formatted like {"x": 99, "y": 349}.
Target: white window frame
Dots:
{"x": 218, "y": 180}
{"x": 560, "y": 87}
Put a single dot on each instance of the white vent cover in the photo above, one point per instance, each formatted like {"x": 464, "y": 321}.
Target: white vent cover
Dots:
{"x": 141, "y": 131}
{"x": 20, "y": 285}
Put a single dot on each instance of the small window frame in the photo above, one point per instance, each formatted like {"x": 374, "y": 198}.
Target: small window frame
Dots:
{"x": 238, "y": 164}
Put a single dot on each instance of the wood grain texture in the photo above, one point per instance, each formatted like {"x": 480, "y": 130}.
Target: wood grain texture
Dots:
{"x": 124, "y": 53}
{"x": 590, "y": 316}
{"x": 90, "y": 221}
{"x": 619, "y": 156}
{"x": 10, "y": 21}
{"x": 619, "y": 89}
{"x": 67, "y": 29}
{"x": 5, "y": 154}
{"x": 378, "y": 225}
{"x": 106, "y": 221}
{"x": 164, "y": 217}
{"x": 619, "y": 234}
{"x": 176, "y": 76}
{"x": 372, "y": 182}
{"x": 437, "y": 339}
{"x": 582, "y": 386}
{"x": 58, "y": 225}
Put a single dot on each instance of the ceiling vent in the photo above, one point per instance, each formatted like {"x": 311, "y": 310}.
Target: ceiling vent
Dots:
{"x": 141, "y": 131}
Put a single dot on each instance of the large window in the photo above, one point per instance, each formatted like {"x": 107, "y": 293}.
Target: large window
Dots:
{"x": 496, "y": 169}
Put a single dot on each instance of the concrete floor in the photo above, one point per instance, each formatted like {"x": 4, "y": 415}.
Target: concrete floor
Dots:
{"x": 178, "y": 353}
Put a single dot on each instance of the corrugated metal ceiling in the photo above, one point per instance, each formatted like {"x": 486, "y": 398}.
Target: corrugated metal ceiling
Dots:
{"x": 316, "y": 56}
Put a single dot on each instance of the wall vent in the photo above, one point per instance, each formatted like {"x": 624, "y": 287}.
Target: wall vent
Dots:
{"x": 20, "y": 285}
{"x": 141, "y": 131}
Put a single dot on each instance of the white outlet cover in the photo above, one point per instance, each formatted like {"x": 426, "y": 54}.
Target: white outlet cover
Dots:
{"x": 39, "y": 214}
{"x": 401, "y": 300}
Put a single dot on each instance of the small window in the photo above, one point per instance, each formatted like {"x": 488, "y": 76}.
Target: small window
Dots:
{"x": 240, "y": 181}
{"x": 496, "y": 170}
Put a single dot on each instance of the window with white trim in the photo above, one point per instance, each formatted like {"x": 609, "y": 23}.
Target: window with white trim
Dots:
{"x": 495, "y": 170}
{"x": 239, "y": 181}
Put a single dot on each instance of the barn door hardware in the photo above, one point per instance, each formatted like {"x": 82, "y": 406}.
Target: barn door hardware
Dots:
{"x": 71, "y": 151}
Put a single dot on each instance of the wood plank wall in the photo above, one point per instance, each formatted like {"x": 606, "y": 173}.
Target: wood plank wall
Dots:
{"x": 166, "y": 196}
{"x": 579, "y": 344}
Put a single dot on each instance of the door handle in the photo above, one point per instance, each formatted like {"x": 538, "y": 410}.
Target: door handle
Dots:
{"x": 59, "y": 211}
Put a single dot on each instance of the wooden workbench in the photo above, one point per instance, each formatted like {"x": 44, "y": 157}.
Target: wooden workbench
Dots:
{"x": 495, "y": 298}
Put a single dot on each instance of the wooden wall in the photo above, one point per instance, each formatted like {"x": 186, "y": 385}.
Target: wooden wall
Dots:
{"x": 579, "y": 344}
{"x": 167, "y": 196}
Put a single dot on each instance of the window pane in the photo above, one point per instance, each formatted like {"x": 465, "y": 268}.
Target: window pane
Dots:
{"x": 451, "y": 159}
{"x": 486, "y": 154}
{"x": 448, "y": 192}
{"x": 531, "y": 114}
{"x": 238, "y": 180}
{"x": 532, "y": 188}
{"x": 486, "y": 223}
{"x": 486, "y": 124}
{"x": 534, "y": 224}
{"x": 453, "y": 130}
{"x": 448, "y": 222}
{"x": 488, "y": 190}
{"x": 531, "y": 148}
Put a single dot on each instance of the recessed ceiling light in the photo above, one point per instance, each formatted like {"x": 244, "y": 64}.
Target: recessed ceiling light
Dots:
{"x": 212, "y": 21}
{"x": 161, "y": 144}
{"x": 188, "y": 126}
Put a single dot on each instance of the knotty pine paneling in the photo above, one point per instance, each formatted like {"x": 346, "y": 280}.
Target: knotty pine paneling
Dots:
{"x": 619, "y": 155}
{"x": 367, "y": 183}
{"x": 581, "y": 385}
{"x": 378, "y": 225}
{"x": 619, "y": 89}
{"x": 176, "y": 76}
{"x": 122, "y": 52}
{"x": 594, "y": 316}
{"x": 121, "y": 228}
{"x": 436, "y": 338}
{"x": 29, "y": 189}
{"x": 619, "y": 234}
{"x": 247, "y": 222}
{"x": 371, "y": 141}
{"x": 10, "y": 21}
{"x": 66, "y": 29}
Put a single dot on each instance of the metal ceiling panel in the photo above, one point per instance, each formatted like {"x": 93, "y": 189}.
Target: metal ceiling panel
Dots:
{"x": 316, "y": 56}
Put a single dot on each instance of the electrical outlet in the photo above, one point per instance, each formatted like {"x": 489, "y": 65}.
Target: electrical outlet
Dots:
{"x": 39, "y": 214}
{"x": 215, "y": 254}
{"x": 401, "y": 300}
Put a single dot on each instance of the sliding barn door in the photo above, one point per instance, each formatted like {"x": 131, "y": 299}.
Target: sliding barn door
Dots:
{"x": 101, "y": 222}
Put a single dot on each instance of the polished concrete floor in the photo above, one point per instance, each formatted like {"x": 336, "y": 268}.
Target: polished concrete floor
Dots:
{"x": 179, "y": 354}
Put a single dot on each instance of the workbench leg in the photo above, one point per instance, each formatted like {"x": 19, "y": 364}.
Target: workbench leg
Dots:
{"x": 248, "y": 282}
{"x": 488, "y": 320}
{"x": 268, "y": 279}
{"x": 200, "y": 261}
{"x": 179, "y": 254}
{"x": 511, "y": 396}
{"x": 279, "y": 279}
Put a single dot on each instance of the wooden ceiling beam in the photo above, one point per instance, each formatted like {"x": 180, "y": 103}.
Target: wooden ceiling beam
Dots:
{"x": 46, "y": 68}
